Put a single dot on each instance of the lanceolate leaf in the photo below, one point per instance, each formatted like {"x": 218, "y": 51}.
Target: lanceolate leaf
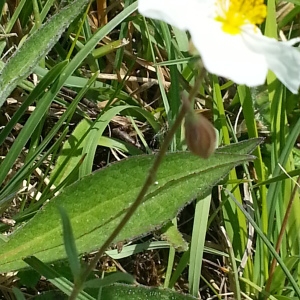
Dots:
{"x": 96, "y": 203}
{"x": 37, "y": 46}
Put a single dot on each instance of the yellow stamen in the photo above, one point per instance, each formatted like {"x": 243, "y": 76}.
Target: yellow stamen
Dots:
{"x": 235, "y": 13}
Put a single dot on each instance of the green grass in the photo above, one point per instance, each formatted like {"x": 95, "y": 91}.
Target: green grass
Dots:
{"x": 66, "y": 118}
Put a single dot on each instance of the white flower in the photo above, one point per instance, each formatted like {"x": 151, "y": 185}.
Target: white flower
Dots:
{"x": 227, "y": 37}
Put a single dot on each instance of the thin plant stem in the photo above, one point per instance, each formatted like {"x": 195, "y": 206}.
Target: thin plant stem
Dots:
{"x": 148, "y": 182}
{"x": 281, "y": 234}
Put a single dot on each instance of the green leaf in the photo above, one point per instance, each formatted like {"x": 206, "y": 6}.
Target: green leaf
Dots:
{"x": 71, "y": 152}
{"x": 35, "y": 47}
{"x": 137, "y": 248}
{"x": 55, "y": 278}
{"x": 127, "y": 292}
{"x": 96, "y": 203}
{"x": 286, "y": 298}
{"x": 197, "y": 243}
{"x": 279, "y": 277}
{"x": 171, "y": 234}
{"x": 31, "y": 124}
{"x": 48, "y": 79}
{"x": 10, "y": 189}
{"x": 29, "y": 278}
{"x": 88, "y": 136}
{"x": 19, "y": 295}
{"x": 91, "y": 141}
{"x": 69, "y": 243}
{"x": 297, "y": 2}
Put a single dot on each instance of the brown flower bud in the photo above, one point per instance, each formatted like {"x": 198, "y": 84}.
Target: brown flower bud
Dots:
{"x": 200, "y": 135}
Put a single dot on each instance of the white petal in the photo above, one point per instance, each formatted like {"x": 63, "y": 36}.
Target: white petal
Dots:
{"x": 227, "y": 55}
{"x": 243, "y": 58}
{"x": 174, "y": 12}
{"x": 281, "y": 57}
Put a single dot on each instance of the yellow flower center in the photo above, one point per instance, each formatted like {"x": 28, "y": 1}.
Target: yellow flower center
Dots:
{"x": 235, "y": 13}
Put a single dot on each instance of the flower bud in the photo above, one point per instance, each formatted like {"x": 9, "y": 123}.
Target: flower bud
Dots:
{"x": 200, "y": 135}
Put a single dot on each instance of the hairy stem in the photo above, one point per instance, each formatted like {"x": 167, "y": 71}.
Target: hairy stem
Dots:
{"x": 148, "y": 182}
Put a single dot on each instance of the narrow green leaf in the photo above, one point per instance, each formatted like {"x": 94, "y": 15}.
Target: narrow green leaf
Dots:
{"x": 64, "y": 76}
{"x": 84, "y": 139}
{"x": 15, "y": 16}
{"x": 110, "y": 47}
{"x": 290, "y": 16}
{"x": 71, "y": 153}
{"x": 280, "y": 177}
{"x": 137, "y": 248}
{"x": 279, "y": 277}
{"x": 259, "y": 289}
{"x": 55, "y": 278}
{"x": 197, "y": 244}
{"x": 69, "y": 243}
{"x": 38, "y": 90}
{"x": 90, "y": 143}
{"x": 268, "y": 244}
{"x": 27, "y": 131}
{"x": 35, "y": 47}
{"x": 19, "y": 295}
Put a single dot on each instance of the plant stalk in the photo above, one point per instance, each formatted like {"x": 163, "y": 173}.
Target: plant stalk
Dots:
{"x": 148, "y": 182}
